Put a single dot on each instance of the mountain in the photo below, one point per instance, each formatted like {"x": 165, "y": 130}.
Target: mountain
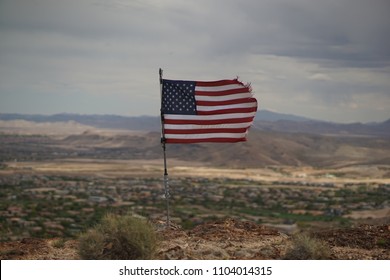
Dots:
{"x": 117, "y": 121}
{"x": 264, "y": 121}
{"x": 266, "y": 148}
{"x": 265, "y": 115}
{"x": 141, "y": 123}
{"x": 263, "y": 148}
{"x": 326, "y": 128}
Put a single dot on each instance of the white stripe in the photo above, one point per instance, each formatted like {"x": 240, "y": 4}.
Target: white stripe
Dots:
{"x": 219, "y": 88}
{"x": 223, "y": 107}
{"x": 205, "y": 135}
{"x": 223, "y": 97}
{"x": 210, "y": 126}
{"x": 209, "y": 117}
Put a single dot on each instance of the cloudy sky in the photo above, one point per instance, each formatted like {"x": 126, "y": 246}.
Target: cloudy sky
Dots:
{"x": 326, "y": 60}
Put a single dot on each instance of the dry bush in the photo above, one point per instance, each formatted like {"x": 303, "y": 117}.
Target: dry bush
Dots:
{"x": 119, "y": 238}
{"x": 305, "y": 247}
{"x": 59, "y": 243}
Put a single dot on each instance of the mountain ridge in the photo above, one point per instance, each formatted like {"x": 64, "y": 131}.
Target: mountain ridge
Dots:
{"x": 264, "y": 121}
{"x": 261, "y": 115}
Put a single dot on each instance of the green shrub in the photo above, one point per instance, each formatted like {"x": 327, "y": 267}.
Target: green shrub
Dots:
{"x": 119, "y": 238}
{"x": 305, "y": 247}
{"x": 382, "y": 242}
{"x": 59, "y": 243}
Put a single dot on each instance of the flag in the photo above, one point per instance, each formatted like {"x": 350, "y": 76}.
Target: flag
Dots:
{"x": 215, "y": 111}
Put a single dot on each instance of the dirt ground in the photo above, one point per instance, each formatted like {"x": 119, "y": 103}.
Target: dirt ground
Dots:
{"x": 227, "y": 239}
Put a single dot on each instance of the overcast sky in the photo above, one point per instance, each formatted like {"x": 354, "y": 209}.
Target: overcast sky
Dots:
{"x": 326, "y": 60}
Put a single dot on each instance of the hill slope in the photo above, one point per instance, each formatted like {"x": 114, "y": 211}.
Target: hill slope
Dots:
{"x": 263, "y": 148}
{"x": 227, "y": 239}
{"x": 265, "y": 121}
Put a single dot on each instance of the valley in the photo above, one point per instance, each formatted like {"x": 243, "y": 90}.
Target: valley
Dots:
{"x": 59, "y": 179}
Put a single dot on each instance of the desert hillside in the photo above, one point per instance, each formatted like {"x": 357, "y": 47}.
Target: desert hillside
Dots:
{"x": 262, "y": 149}
{"x": 224, "y": 240}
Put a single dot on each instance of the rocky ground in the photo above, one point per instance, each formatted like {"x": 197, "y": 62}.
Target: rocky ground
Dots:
{"x": 227, "y": 239}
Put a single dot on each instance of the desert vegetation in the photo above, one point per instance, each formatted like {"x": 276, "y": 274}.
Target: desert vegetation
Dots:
{"x": 119, "y": 238}
{"x": 48, "y": 205}
{"x": 305, "y": 247}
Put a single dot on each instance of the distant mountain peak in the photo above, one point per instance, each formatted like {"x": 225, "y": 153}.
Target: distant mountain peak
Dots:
{"x": 266, "y": 115}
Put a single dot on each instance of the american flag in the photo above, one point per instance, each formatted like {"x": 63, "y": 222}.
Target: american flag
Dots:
{"x": 215, "y": 111}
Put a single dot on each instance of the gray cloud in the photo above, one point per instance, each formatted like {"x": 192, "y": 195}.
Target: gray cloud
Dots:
{"x": 341, "y": 33}
{"x": 315, "y": 54}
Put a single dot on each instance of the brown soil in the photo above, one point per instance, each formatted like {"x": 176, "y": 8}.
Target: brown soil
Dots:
{"x": 39, "y": 249}
{"x": 365, "y": 237}
{"x": 227, "y": 239}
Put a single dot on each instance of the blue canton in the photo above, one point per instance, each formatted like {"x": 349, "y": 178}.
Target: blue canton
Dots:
{"x": 178, "y": 97}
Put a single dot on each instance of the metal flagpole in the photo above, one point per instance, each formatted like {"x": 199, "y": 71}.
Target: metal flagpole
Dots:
{"x": 166, "y": 183}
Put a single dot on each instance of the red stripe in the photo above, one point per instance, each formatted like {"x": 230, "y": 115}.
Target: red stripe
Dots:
{"x": 217, "y": 83}
{"x": 228, "y": 111}
{"x": 221, "y": 92}
{"x": 226, "y": 102}
{"x": 189, "y": 141}
{"x": 207, "y": 122}
{"x": 206, "y": 130}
